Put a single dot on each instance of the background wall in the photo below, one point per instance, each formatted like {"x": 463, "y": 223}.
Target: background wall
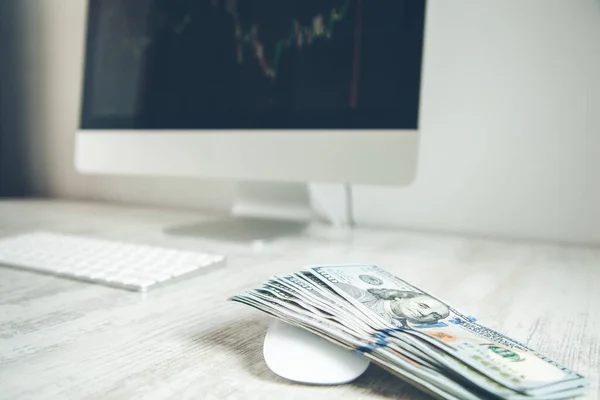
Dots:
{"x": 13, "y": 181}
{"x": 510, "y": 121}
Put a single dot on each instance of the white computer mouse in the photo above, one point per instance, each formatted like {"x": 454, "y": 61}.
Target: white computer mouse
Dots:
{"x": 301, "y": 356}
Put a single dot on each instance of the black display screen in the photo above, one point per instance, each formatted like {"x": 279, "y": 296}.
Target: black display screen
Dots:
{"x": 253, "y": 64}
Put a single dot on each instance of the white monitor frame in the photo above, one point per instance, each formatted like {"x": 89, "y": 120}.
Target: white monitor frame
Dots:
{"x": 378, "y": 157}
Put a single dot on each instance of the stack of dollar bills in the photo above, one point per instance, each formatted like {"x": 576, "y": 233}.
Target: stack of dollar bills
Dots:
{"x": 412, "y": 334}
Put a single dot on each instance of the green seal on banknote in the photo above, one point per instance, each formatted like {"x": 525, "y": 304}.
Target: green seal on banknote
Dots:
{"x": 506, "y": 353}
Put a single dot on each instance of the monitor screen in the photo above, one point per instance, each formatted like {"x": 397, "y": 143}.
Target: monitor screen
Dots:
{"x": 253, "y": 64}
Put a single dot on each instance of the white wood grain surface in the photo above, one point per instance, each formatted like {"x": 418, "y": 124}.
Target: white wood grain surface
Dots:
{"x": 65, "y": 339}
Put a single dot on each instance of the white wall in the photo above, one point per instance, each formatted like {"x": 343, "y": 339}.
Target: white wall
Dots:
{"x": 511, "y": 103}
{"x": 510, "y": 121}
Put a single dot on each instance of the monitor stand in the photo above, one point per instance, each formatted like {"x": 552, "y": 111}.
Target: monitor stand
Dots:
{"x": 266, "y": 211}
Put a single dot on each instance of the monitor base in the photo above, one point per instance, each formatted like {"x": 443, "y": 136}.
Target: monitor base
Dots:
{"x": 241, "y": 229}
{"x": 268, "y": 211}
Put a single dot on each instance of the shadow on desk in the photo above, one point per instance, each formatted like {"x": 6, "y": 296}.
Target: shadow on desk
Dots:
{"x": 244, "y": 338}
{"x": 239, "y": 230}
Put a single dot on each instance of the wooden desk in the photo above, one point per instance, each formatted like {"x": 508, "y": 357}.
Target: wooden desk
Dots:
{"x": 65, "y": 339}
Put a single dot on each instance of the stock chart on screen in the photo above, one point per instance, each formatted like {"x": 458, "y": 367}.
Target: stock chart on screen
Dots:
{"x": 253, "y": 64}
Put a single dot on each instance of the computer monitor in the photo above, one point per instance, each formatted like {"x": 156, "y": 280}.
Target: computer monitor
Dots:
{"x": 257, "y": 90}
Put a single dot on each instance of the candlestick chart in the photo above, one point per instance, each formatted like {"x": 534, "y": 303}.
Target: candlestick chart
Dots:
{"x": 320, "y": 27}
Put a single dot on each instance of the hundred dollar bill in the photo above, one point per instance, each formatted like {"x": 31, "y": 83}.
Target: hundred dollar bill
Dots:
{"x": 423, "y": 353}
{"x": 424, "y": 378}
{"x": 401, "y": 309}
{"x": 284, "y": 301}
{"x": 389, "y": 352}
{"x": 349, "y": 321}
{"x": 315, "y": 289}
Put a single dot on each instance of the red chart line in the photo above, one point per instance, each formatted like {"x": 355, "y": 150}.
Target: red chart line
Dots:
{"x": 357, "y": 48}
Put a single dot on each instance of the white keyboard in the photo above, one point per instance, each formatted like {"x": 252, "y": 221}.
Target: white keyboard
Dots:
{"x": 123, "y": 265}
